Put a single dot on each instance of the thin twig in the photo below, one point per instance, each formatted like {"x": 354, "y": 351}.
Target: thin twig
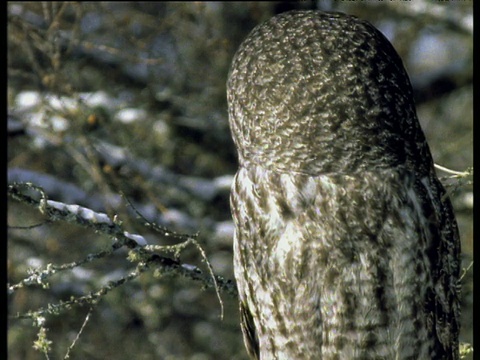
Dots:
{"x": 70, "y": 348}
{"x": 452, "y": 172}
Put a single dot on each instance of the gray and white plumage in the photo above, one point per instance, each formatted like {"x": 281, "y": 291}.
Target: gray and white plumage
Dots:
{"x": 346, "y": 246}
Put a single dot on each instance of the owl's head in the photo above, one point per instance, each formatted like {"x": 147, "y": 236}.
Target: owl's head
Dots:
{"x": 317, "y": 92}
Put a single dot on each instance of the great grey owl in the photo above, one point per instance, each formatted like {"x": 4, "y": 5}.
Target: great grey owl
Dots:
{"x": 346, "y": 246}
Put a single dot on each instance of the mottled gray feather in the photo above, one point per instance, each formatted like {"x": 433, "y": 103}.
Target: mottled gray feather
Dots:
{"x": 345, "y": 245}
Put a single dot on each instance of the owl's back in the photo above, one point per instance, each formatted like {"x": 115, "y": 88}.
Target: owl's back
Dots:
{"x": 340, "y": 267}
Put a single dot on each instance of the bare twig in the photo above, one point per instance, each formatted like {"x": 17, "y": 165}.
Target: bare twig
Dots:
{"x": 454, "y": 173}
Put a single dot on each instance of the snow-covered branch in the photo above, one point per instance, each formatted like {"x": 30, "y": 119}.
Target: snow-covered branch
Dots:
{"x": 146, "y": 256}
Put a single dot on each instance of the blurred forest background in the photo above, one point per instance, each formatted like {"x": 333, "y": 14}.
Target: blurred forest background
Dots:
{"x": 111, "y": 98}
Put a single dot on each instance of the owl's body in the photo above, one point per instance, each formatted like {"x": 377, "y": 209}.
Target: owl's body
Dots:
{"x": 345, "y": 246}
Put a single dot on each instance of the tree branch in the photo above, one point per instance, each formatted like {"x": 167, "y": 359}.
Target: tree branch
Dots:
{"x": 144, "y": 255}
